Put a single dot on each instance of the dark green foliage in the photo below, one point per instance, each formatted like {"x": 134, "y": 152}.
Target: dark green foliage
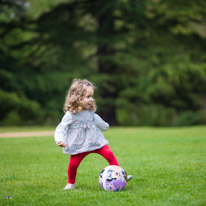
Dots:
{"x": 16, "y": 109}
{"x": 146, "y": 58}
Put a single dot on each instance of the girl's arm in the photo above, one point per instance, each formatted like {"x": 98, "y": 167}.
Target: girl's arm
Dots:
{"x": 62, "y": 129}
{"x": 100, "y": 123}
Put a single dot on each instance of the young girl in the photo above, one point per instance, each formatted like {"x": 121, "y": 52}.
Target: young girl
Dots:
{"x": 79, "y": 132}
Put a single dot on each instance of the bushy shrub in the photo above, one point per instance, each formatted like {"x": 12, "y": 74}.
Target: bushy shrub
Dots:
{"x": 158, "y": 115}
{"x": 12, "y": 119}
{"x": 145, "y": 115}
{"x": 188, "y": 118}
{"x": 17, "y": 109}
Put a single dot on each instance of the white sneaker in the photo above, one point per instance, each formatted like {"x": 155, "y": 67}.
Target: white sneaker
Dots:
{"x": 69, "y": 186}
{"x": 129, "y": 177}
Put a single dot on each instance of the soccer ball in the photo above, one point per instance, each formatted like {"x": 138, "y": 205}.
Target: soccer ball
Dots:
{"x": 113, "y": 178}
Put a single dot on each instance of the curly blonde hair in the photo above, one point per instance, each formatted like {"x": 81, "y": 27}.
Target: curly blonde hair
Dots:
{"x": 73, "y": 100}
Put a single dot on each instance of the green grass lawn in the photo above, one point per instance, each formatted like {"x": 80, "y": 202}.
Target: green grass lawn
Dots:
{"x": 168, "y": 165}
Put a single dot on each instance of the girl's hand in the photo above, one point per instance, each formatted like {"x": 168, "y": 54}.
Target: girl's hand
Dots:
{"x": 61, "y": 144}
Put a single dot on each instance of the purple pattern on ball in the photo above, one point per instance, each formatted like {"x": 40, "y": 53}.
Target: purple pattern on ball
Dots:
{"x": 112, "y": 178}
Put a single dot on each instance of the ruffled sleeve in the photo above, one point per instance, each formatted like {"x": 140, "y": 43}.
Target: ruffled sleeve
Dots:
{"x": 62, "y": 128}
{"x": 100, "y": 123}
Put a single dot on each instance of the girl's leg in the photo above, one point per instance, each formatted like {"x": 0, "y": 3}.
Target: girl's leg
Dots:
{"x": 74, "y": 163}
{"x": 107, "y": 153}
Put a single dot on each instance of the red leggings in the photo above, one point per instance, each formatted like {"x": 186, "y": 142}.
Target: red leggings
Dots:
{"x": 75, "y": 161}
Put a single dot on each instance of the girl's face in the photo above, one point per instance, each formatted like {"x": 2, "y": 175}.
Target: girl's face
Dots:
{"x": 88, "y": 99}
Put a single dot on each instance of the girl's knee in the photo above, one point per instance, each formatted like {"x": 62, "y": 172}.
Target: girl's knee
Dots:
{"x": 110, "y": 155}
{"x": 73, "y": 164}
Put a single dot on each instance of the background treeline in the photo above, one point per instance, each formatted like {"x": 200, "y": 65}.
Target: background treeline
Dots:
{"x": 146, "y": 58}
